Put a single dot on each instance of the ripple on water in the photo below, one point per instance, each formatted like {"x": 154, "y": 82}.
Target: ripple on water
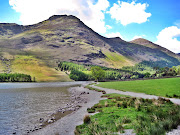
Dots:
{"x": 21, "y": 109}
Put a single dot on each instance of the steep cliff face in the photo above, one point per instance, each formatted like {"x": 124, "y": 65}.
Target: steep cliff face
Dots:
{"x": 66, "y": 38}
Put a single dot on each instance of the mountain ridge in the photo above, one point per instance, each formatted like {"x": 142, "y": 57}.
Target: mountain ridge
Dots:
{"x": 67, "y": 38}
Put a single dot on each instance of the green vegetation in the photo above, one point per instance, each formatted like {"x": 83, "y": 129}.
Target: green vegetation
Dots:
{"x": 144, "y": 116}
{"x": 78, "y": 76}
{"x": 177, "y": 69}
{"x": 116, "y": 60}
{"x": 142, "y": 67}
{"x": 98, "y": 73}
{"x": 160, "y": 87}
{"x": 15, "y": 78}
{"x": 98, "y": 90}
{"x": 69, "y": 66}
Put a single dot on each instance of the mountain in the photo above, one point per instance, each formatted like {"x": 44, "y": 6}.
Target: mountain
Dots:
{"x": 150, "y": 44}
{"x": 67, "y": 38}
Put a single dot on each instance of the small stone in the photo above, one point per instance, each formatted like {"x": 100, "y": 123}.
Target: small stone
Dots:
{"x": 41, "y": 120}
{"x": 50, "y": 121}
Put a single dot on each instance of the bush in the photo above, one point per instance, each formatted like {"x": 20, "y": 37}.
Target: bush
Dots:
{"x": 91, "y": 110}
{"x": 86, "y": 119}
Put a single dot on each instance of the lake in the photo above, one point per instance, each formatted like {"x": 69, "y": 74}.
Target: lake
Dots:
{"x": 23, "y": 104}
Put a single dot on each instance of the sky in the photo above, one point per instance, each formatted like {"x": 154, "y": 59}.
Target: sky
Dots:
{"x": 154, "y": 20}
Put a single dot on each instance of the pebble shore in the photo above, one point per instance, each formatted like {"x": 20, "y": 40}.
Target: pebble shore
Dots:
{"x": 81, "y": 99}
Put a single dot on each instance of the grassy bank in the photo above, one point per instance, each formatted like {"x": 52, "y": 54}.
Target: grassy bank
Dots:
{"x": 119, "y": 112}
{"x": 169, "y": 87}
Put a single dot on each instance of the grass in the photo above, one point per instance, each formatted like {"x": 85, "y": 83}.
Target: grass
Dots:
{"x": 37, "y": 68}
{"x": 144, "y": 116}
{"x": 1, "y": 67}
{"x": 95, "y": 89}
{"x": 160, "y": 87}
{"x": 116, "y": 60}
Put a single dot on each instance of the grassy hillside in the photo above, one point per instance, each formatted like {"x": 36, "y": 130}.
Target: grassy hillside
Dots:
{"x": 159, "y": 87}
{"x": 116, "y": 60}
{"x": 36, "y": 68}
{"x": 66, "y": 38}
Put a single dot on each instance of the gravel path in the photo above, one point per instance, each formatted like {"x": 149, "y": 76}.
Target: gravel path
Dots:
{"x": 67, "y": 124}
{"x": 133, "y": 94}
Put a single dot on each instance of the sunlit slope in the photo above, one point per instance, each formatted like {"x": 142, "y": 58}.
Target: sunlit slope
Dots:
{"x": 36, "y": 68}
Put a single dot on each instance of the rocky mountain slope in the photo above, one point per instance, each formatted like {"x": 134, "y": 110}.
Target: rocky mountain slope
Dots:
{"x": 66, "y": 38}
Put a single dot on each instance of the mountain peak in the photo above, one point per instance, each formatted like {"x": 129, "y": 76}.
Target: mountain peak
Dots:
{"x": 141, "y": 41}
{"x": 54, "y": 17}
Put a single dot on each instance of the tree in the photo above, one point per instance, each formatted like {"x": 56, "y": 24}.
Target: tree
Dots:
{"x": 78, "y": 75}
{"x": 98, "y": 73}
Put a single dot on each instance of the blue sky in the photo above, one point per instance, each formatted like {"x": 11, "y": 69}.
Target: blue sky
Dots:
{"x": 155, "y": 20}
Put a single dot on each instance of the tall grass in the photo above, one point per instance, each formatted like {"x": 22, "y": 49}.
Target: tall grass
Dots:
{"x": 145, "y": 117}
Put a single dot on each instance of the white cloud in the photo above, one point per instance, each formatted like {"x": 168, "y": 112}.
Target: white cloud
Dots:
{"x": 108, "y": 27}
{"x": 112, "y": 35}
{"x": 34, "y": 11}
{"x": 128, "y": 13}
{"x": 168, "y": 38}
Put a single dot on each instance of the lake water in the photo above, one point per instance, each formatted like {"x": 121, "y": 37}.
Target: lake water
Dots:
{"x": 23, "y": 104}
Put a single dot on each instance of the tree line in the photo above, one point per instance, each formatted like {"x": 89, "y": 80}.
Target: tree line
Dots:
{"x": 16, "y": 77}
{"x": 98, "y": 73}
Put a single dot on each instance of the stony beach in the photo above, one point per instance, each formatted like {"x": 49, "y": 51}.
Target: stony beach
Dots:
{"x": 81, "y": 99}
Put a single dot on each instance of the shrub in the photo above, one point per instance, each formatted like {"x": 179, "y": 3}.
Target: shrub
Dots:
{"x": 126, "y": 120}
{"x": 91, "y": 110}
{"x": 86, "y": 119}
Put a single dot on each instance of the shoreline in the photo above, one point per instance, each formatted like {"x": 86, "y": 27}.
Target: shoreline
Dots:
{"x": 81, "y": 99}
{"x": 67, "y": 124}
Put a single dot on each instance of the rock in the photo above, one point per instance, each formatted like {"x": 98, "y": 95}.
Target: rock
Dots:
{"x": 53, "y": 118}
{"x": 50, "y": 121}
{"x": 41, "y": 120}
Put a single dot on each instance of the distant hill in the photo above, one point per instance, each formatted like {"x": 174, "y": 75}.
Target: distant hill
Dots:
{"x": 150, "y": 44}
{"x": 67, "y": 38}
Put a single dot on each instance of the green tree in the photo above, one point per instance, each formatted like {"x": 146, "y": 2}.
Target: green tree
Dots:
{"x": 98, "y": 73}
{"x": 78, "y": 75}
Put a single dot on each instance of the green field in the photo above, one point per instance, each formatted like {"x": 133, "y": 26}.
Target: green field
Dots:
{"x": 160, "y": 87}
